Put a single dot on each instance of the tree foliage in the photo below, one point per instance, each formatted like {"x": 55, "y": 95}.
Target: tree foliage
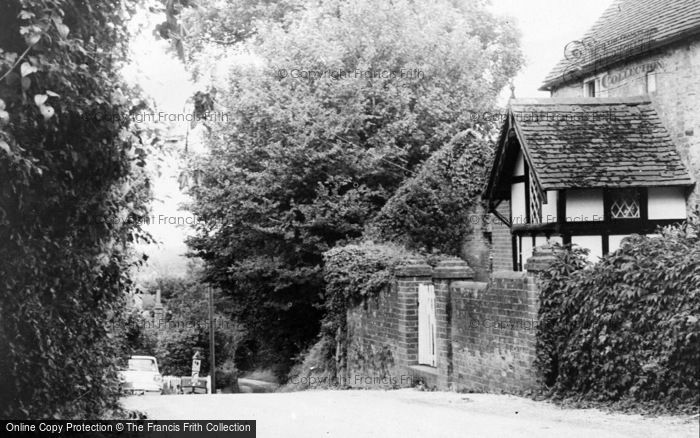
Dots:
{"x": 626, "y": 328}
{"x": 344, "y": 101}
{"x": 69, "y": 182}
{"x": 184, "y": 328}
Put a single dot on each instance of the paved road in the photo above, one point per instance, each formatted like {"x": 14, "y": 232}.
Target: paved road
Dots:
{"x": 405, "y": 414}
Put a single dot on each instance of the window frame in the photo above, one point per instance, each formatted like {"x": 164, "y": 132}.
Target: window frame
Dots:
{"x": 589, "y": 88}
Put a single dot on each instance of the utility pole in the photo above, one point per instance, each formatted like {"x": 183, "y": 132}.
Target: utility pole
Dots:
{"x": 212, "y": 354}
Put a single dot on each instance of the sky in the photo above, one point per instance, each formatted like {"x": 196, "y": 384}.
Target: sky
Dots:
{"x": 546, "y": 27}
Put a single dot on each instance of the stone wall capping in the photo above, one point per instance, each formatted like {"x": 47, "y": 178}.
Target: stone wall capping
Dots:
{"x": 478, "y": 285}
{"x": 542, "y": 258}
{"x": 453, "y": 269}
{"x": 509, "y": 275}
{"x": 414, "y": 268}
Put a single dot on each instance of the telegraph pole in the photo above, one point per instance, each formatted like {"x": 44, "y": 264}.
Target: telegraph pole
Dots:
{"x": 212, "y": 354}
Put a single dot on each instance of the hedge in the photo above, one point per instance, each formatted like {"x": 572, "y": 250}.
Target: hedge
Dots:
{"x": 73, "y": 194}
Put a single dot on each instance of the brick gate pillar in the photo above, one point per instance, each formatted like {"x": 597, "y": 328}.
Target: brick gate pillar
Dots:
{"x": 542, "y": 257}
{"x": 408, "y": 276}
{"x": 445, "y": 273}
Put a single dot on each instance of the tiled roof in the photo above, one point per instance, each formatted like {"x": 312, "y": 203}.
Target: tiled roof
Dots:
{"x": 597, "y": 142}
{"x": 626, "y": 29}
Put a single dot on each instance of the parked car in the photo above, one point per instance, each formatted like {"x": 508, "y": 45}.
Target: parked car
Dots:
{"x": 141, "y": 376}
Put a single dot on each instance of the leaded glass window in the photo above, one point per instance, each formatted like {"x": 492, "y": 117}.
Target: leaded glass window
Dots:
{"x": 625, "y": 204}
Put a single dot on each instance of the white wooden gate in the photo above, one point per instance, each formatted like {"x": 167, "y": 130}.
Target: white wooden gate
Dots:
{"x": 427, "y": 334}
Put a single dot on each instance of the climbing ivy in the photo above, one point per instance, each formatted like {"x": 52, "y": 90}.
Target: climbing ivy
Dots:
{"x": 434, "y": 209}
{"x": 72, "y": 190}
{"x": 627, "y": 328}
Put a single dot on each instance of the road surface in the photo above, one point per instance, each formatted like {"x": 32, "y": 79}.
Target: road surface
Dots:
{"x": 407, "y": 413}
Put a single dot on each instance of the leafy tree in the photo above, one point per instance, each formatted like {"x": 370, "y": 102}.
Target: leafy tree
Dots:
{"x": 184, "y": 328}
{"x": 346, "y": 100}
{"x": 198, "y": 30}
{"x": 69, "y": 185}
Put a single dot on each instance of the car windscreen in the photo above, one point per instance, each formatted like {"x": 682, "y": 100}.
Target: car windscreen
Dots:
{"x": 142, "y": 365}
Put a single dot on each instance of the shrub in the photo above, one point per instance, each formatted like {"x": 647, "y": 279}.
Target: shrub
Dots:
{"x": 353, "y": 273}
{"x": 315, "y": 368}
{"x": 184, "y": 327}
{"x": 432, "y": 210}
{"x": 176, "y": 347}
{"x": 227, "y": 377}
{"x": 626, "y": 328}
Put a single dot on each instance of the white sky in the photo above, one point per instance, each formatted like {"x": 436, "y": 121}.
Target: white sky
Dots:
{"x": 546, "y": 26}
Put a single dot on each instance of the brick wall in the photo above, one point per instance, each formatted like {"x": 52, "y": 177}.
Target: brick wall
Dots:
{"x": 485, "y": 332}
{"x": 372, "y": 333}
{"x": 476, "y": 249}
{"x": 492, "y": 333}
{"x": 382, "y": 333}
{"x": 677, "y": 97}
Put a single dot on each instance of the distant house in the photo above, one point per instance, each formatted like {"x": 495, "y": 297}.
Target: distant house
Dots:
{"x": 616, "y": 150}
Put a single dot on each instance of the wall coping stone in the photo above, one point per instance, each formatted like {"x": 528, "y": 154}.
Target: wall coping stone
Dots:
{"x": 510, "y": 275}
{"x": 542, "y": 258}
{"x": 414, "y": 268}
{"x": 453, "y": 268}
{"x": 478, "y": 285}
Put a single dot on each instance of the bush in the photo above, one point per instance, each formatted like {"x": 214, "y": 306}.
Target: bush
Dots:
{"x": 315, "y": 368}
{"x": 184, "y": 328}
{"x": 176, "y": 347}
{"x": 353, "y": 273}
{"x": 432, "y": 210}
{"x": 626, "y": 328}
{"x": 227, "y": 377}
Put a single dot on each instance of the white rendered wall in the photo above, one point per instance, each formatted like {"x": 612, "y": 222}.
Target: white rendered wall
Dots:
{"x": 517, "y": 193}
{"x": 517, "y": 203}
{"x": 667, "y": 203}
{"x": 584, "y": 205}
{"x": 549, "y": 210}
{"x": 615, "y": 241}
{"x": 593, "y": 243}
